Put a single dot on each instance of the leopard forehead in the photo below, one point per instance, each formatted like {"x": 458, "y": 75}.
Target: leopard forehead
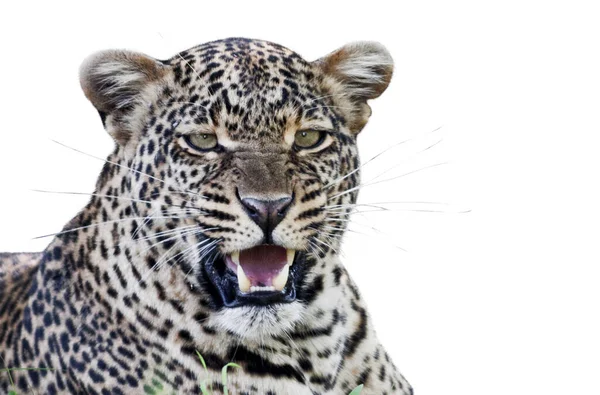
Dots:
{"x": 248, "y": 89}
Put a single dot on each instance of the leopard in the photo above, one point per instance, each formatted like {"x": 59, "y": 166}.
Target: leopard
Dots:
{"x": 212, "y": 236}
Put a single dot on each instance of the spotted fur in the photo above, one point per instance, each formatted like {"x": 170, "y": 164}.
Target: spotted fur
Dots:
{"x": 120, "y": 301}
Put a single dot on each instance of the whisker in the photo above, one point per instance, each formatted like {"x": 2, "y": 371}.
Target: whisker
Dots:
{"x": 190, "y": 250}
{"x": 113, "y": 197}
{"x": 190, "y": 66}
{"x": 384, "y": 234}
{"x": 394, "y": 202}
{"x": 334, "y": 219}
{"x": 204, "y": 251}
{"x": 208, "y": 249}
{"x": 96, "y": 224}
{"x": 93, "y": 194}
{"x": 466, "y": 211}
{"x": 352, "y": 222}
{"x": 381, "y": 153}
{"x": 378, "y": 206}
{"x": 326, "y": 234}
{"x": 177, "y": 214}
{"x": 310, "y": 242}
{"x": 343, "y": 207}
{"x": 343, "y": 108}
{"x": 144, "y": 251}
{"x": 189, "y": 103}
{"x": 144, "y": 223}
{"x": 124, "y": 167}
{"x": 373, "y": 236}
{"x": 163, "y": 260}
{"x": 403, "y": 162}
{"x": 183, "y": 233}
{"x": 156, "y": 266}
{"x": 334, "y": 228}
{"x": 342, "y": 212}
{"x": 386, "y": 180}
{"x": 318, "y": 98}
{"x": 166, "y": 232}
{"x": 325, "y": 244}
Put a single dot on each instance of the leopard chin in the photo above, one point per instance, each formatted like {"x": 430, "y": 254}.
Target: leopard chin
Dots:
{"x": 259, "y": 322}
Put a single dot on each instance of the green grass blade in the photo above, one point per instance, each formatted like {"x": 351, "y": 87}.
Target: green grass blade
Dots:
{"x": 202, "y": 360}
{"x": 21, "y": 369}
{"x": 224, "y": 375}
{"x": 10, "y": 379}
{"x": 203, "y": 387}
{"x": 357, "y": 390}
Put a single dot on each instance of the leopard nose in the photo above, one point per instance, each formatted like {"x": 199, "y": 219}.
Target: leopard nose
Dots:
{"x": 266, "y": 213}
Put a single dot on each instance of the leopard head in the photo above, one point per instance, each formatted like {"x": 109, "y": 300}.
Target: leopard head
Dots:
{"x": 242, "y": 156}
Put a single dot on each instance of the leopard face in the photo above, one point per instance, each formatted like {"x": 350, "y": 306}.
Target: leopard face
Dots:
{"x": 239, "y": 159}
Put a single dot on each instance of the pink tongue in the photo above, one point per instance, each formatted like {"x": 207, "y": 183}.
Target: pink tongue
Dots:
{"x": 263, "y": 263}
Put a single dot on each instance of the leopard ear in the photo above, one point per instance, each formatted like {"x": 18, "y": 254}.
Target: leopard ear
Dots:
{"x": 118, "y": 84}
{"x": 363, "y": 71}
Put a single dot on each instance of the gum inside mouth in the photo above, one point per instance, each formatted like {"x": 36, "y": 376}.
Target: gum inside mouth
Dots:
{"x": 263, "y": 268}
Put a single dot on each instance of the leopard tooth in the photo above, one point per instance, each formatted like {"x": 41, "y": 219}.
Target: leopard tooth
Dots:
{"x": 243, "y": 281}
{"x": 235, "y": 257}
{"x": 281, "y": 279}
{"x": 290, "y": 256}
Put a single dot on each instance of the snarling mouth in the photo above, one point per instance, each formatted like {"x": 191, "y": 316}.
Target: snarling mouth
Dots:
{"x": 262, "y": 275}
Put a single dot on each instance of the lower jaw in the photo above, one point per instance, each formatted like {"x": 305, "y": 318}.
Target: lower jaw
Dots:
{"x": 224, "y": 290}
{"x": 255, "y": 324}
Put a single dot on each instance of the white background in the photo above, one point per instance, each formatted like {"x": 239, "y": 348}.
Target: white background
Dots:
{"x": 500, "y": 300}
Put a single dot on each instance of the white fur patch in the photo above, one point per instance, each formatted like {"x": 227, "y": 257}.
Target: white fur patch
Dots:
{"x": 259, "y": 323}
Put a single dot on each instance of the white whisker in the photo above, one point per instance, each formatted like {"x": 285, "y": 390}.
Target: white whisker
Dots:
{"x": 325, "y": 244}
{"x": 316, "y": 247}
{"x": 386, "y": 180}
{"x": 378, "y": 155}
{"x": 125, "y": 167}
{"x": 111, "y": 197}
{"x": 167, "y": 232}
{"x": 96, "y": 224}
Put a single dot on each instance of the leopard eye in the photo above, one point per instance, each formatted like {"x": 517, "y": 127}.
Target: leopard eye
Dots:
{"x": 306, "y": 139}
{"x": 201, "y": 141}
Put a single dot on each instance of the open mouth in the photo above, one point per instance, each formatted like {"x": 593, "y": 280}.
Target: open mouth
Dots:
{"x": 262, "y": 275}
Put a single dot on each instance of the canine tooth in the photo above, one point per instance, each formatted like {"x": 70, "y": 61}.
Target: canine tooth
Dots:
{"x": 235, "y": 257}
{"x": 243, "y": 281}
{"x": 290, "y": 256}
{"x": 281, "y": 279}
